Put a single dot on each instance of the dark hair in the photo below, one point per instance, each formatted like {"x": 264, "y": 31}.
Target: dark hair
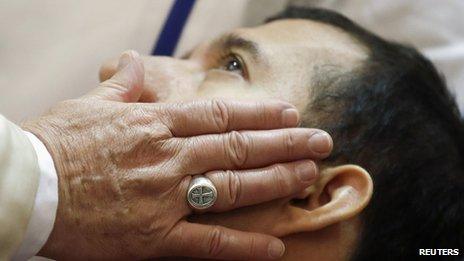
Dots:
{"x": 396, "y": 118}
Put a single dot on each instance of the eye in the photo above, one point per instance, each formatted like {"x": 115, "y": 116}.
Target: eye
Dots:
{"x": 233, "y": 63}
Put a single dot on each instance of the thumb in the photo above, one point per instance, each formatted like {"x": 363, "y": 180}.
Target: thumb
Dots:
{"x": 126, "y": 85}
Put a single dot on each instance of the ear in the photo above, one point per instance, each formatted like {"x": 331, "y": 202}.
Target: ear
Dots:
{"x": 340, "y": 193}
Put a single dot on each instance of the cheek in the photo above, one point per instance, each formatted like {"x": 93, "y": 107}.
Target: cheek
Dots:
{"x": 171, "y": 80}
{"x": 180, "y": 87}
{"x": 290, "y": 86}
{"x": 224, "y": 85}
{"x": 234, "y": 90}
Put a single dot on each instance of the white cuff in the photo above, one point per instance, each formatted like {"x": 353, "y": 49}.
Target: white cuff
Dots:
{"x": 45, "y": 205}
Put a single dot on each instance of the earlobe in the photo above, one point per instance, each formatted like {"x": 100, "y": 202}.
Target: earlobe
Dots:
{"x": 341, "y": 193}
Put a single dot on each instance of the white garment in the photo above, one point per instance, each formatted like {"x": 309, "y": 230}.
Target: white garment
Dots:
{"x": 45, "y": 205}
{"x": 28, "y": 193}
{"x": 19, "y": 179}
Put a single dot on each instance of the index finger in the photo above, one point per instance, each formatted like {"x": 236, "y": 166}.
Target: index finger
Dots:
{"x": 216, "y": 116}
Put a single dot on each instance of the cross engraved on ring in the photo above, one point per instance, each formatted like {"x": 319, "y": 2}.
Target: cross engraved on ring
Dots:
{"x": 202, "y": 195}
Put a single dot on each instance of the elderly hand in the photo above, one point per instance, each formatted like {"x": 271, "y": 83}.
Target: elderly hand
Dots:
{"x": 124, "y": 169}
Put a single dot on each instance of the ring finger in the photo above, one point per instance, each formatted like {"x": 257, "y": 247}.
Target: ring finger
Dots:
{"x": 239, "y": 188}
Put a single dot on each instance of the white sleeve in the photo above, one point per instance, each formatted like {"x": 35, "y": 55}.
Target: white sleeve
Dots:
{"x": 45, "y": 205}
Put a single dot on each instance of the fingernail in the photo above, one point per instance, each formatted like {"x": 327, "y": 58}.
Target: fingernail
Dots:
{"x": 276, "y": 249}
{"x": 320, "y": 142}
{"x": 290, "y": 117}
{"x": 306, "y": 171}
{"x": 126, "y": 58}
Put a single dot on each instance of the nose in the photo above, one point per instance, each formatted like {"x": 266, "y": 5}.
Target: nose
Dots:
{"x": 166, "y": 78}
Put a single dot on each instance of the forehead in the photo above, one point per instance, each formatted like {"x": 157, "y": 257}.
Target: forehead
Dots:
{"x": 290, "y": 37}
{"x": 295, "y": 35}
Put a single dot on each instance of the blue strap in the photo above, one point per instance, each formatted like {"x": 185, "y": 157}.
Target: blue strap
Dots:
{"x": 172, "y": 29}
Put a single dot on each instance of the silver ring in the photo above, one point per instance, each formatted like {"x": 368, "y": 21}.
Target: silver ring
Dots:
{"x": 202, "y": 193}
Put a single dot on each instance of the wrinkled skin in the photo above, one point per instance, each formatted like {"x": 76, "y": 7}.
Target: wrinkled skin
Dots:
{"x": 290, "y": 60}
{"x": 124, "y": 169}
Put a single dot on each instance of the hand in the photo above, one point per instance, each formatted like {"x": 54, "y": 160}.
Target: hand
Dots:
{"x": 124, "y": 169}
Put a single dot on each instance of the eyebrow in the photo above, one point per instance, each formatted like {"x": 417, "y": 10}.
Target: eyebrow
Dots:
{"x": 234, "y": 41}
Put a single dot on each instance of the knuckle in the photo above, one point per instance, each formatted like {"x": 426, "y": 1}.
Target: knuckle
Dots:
{"x": 283, "y": 184}
{"x": 218, "y": 241}
{"x": 252, "y": 247}
{"x": 220, "y": 113}
{"x": 234, "y": 188}
{"x": 289, "y": 142}
{"x": 262, "y": 113}
{"x": 164, "y": 132}
{"x": 113, "y": 84}
{"x": 237, "y": 147}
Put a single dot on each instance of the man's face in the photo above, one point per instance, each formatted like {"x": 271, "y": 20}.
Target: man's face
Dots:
{"x": 284, "y": 60}
{"x": 279, "y": 60}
